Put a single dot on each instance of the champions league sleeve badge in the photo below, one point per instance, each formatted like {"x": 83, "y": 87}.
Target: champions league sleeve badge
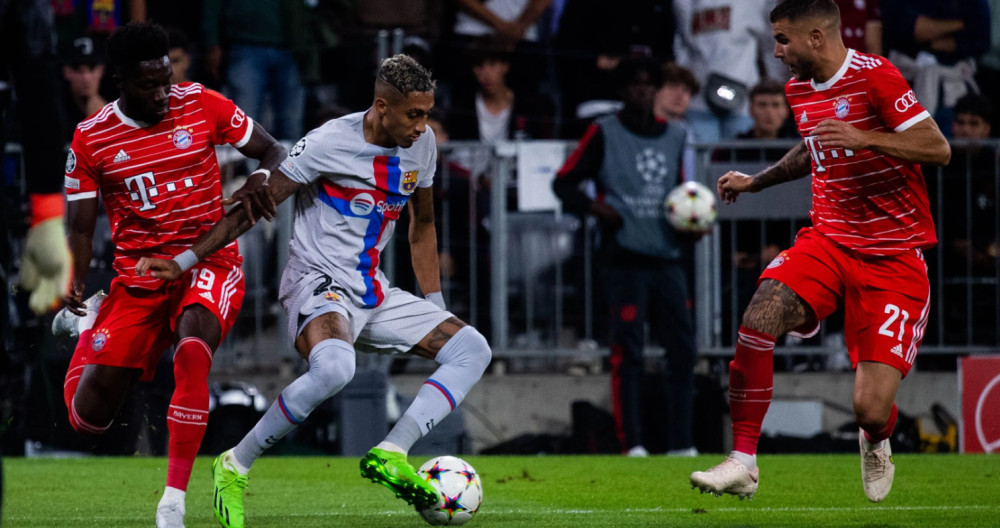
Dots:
{"x": 297, "y": 149}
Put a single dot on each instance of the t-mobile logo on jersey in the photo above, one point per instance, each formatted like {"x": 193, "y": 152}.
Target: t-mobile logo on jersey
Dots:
{"x": 142, "y": 187}
{"x": 819, "y": 155}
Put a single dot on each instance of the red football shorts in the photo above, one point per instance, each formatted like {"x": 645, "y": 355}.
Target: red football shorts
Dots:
{"x": 886, "y": 300}
{"x": 134, "y": 326}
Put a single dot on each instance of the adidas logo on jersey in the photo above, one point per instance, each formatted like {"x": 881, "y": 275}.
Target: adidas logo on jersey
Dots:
{"x": 121, "y": 156}
{"x": 898, "y": 350}
{"x": 207, "y": 296}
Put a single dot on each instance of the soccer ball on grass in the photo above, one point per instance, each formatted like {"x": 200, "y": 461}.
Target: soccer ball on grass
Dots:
{"x": 460, "y": 488}
{"x": 691, "y": 207}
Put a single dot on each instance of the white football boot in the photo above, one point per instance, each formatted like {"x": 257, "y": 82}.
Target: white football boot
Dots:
{"x": 68, "y": 324}
{"x": 731, "y": 476}
{"x": 877, "y": 468}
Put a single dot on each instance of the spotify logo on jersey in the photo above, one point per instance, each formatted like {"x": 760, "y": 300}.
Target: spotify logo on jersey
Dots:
{"x": 362, "y": 204}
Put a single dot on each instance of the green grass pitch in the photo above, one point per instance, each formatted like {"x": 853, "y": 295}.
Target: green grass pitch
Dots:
{"x": 809, "y": 491}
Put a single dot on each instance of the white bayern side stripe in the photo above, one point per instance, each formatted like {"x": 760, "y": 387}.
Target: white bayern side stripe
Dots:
{"x": 189, "y": 422}
{"x": 246, "y": 137}
{"x": 229, "y": 290}
{"x": 912, "y": 121}
{"x": 80, "y": 196}
{"x": 918, "y": 330}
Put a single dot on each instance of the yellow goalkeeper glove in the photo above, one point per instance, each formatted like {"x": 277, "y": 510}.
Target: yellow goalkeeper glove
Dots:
{"x": 45, "y": 267}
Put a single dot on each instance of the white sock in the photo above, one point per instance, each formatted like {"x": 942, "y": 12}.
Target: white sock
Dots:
{"x": 172, "y": 495}
{"x": 746, "y": 459}
{"x": 331, "y": 367}
{"x": 463, "y": 360}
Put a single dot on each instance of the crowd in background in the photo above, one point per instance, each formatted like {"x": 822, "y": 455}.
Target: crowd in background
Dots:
{"x": 531, "y": 69}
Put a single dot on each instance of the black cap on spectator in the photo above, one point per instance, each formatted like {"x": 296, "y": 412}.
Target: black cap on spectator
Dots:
{"x": 82, "y": 50}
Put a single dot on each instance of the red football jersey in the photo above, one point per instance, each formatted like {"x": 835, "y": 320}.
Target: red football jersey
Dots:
{"x": 161, "y": 185}
{"x": 863, "y": 200}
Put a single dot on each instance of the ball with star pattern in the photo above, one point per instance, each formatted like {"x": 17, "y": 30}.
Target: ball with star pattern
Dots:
{"x": 460, "y": 488}
{"x": 691, "y": 207}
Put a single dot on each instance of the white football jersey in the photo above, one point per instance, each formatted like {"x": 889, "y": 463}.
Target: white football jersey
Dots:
{"x": 356, "y": 191}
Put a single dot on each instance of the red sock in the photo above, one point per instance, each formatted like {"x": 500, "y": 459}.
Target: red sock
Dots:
{"x": 751, "y": 381}
{"x": 885, "y": 431}
{"x": 73, "y": 373}
{"x": 188, "y": 412}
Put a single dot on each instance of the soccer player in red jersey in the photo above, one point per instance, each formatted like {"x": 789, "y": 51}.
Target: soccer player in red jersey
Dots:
{"x": 865, "y": 135}
{"x": 151, "y": 156}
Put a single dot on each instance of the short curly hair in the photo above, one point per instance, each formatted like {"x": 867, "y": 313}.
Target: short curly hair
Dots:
{"x": 136, "y": 42}
{"x": 405, "y": 74}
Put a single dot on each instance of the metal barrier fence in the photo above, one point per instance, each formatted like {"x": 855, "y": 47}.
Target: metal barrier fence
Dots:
{"x": 523, "y": 273}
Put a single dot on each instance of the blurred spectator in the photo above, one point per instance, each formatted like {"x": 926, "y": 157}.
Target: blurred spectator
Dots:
{"x": 591, "y": 37}
{"x": 513, "y": 24}
{"x": 93, "y": 18}
{"x": 180, "y": 55}
{"x": 935, "y": 44}
{"x": 674, "y": 98}
{"x": 495, "y": 111}
{"x": 83, "y": 69}
{"x": 968, "y": 217}
{"x": 769, "y": 112}
{"x": 510, "y": 21}
{"x": 634, "y": 159}
{"x": 861, "y": 25}
{"x": 988, "y": 67}
{"x": 672, "y": 102}
{"x": 728, "y": 46}
{"x": 261, "y": 66}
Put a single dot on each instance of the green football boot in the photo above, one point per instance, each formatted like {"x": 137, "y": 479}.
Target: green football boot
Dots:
{"x": 394, "y": 472}
{"x": 228, "y": 500}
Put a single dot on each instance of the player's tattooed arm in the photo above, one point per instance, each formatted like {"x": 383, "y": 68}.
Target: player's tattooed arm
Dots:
{"x": 793, "y": 165}
{"x": 423, "y": 240}
{"x": 231, "y": 226}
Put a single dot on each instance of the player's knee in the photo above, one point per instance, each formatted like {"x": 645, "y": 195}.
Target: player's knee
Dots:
{"x": 473, "y": 351}
{"x": 86, "y": 420}
{"x": 870, "y": 417}
{"x": 332, "y": 368}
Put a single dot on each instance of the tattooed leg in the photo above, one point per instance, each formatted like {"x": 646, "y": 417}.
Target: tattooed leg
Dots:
{"x": 775, "y": 309}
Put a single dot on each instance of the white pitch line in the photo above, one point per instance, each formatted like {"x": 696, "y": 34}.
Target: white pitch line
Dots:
{"x": 490, "y": 512}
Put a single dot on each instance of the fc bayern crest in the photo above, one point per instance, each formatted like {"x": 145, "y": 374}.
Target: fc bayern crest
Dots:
{"x": 70, "y": 161}
{"x": 409, "y": 182}
{"x": 99, "y": 340}
{"x": 842, "y": 107}
{"x": 182, "y": 138}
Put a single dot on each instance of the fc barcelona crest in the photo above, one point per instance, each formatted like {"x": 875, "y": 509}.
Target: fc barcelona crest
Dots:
{"x": 409, "y": 183}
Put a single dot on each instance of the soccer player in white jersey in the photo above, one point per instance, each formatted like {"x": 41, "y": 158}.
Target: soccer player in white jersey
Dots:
{"x": 865, "y": 135}
{"x": 353, "y": 176}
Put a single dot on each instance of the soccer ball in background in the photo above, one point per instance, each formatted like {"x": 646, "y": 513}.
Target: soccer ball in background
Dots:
{"x": 691, "y": 207}
{"x": 460, "y": 488}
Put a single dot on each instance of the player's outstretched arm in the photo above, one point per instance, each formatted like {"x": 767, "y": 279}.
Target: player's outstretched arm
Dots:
{"x": 793, "y": 165}
{"x": 423, "y": 241}
{"x": 234, "y": 224}
{"x": 254, "y": 195}
{"x": 921, "y": 143}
